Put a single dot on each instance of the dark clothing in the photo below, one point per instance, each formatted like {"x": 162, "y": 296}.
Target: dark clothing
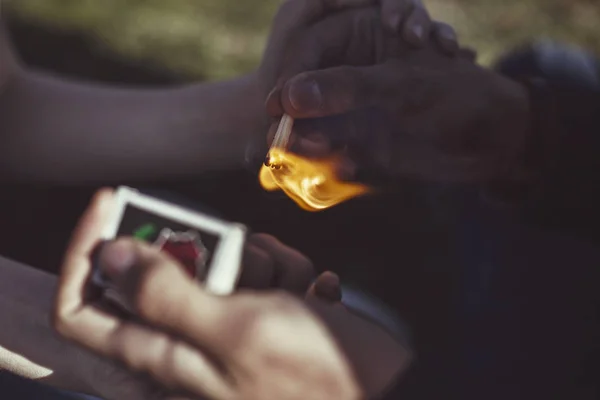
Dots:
{"x": 13, "y": 387}
{"x": 529, "y": 321}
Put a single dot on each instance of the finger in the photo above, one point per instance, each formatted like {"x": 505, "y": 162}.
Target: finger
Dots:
{"x": 325, "y": 39}
{"x": 292, "y": 16}
{"x": 273, "y": 103}
{"x": 394, "y": 13}
{"x": 313, "y": 145}
{"x": 446, "y": 37}
{"x": 338, "y": 90}
{"x": 171, "y": 362}
{"x": 76, "y": 266}
{"x": 160, "y": 291}
{"x": 272, "y": 131}
{"x": 468, "y": 54}
{"x": 293, "y": 271}
{"x": 258, "y": 268}
{"x": 327, "y": 287}
{"x": 417, "y": 27}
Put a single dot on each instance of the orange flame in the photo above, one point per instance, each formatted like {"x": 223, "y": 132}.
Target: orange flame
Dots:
{"x": 312, "y": 184}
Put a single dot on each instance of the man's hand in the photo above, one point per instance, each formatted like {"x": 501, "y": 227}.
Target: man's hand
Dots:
{"x": 393, "y": 111}
{"x": 405, "y": 113}
{"x": 310, "y": 34}
{"x": 245, "y": 346}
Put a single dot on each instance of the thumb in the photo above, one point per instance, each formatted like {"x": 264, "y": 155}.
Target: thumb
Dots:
{"x": 337, "y": 90}
{"x": 158, "y": 289}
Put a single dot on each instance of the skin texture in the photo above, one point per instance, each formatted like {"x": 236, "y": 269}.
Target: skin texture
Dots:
{"x": 396, "y": 112}
{"x": 30, "y": 346}
{"x": 85, "y": 133}
{"x": 218, "y": 347}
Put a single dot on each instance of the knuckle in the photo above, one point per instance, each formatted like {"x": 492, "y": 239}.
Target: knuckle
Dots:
{"x": 154, "y": 295}
{"x": 162, "y": 366}
{"x": 61, "y": 324}
{"x": 145, "y": 288}
{"x": 264, "y": 237}
{"x": 154, "y": 360}
{"x": 445, "y": 30}
{"x": 265, "y": 319}
{"x": 280, "y": 303}
{"x": 291, "y": 10}
{"x": 265, "y": 267}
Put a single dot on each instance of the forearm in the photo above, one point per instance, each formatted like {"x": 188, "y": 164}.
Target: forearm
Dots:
{"x": 8, "y": 62}
{"x": 60, "y": 132}
{"x": 28, "y": 345}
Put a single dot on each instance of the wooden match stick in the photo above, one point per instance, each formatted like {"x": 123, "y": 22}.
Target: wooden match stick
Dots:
{"x": 284, "y": 130}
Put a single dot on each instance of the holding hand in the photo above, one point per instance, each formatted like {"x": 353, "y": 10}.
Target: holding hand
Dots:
{"x": 390, "y": 110}
{"x": 422, "y": 115}
{"x": 308, "y": 35}
{"x": 246, "y": 346}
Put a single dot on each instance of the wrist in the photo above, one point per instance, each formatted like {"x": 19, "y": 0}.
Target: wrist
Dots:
{"x": 219, "y": 119}
{"x": 248, "y": 121}
{"x": 255, "y": 122}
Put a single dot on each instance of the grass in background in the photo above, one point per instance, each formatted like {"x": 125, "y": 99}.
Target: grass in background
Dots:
{"x": 224, "y": 38}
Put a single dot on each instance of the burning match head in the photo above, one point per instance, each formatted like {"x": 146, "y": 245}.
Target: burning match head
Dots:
{"x": 312, "y": 184}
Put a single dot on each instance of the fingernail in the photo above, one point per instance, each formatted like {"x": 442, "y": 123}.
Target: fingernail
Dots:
{"x": 305, "y": 95}
{"x": 448, "y": 40}
{"x": 116, "y": 258}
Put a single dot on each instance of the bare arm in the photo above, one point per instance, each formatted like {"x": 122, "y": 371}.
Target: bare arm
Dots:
{"x": 56, "y": 131}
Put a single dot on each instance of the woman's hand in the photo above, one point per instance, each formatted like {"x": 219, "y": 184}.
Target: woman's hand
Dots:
{"x": 246, "y": 346}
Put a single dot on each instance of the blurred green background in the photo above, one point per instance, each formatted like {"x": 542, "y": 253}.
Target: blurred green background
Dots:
{"x": 223, "y": 38}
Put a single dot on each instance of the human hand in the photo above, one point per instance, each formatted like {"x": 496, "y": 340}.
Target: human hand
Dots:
{"x": 246, "y": 346}
{"x": 309, "y": 35}
{"x": 293, "y": 27}
{"x": 270, "y": 264}
{"x": 414, "y": 114}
